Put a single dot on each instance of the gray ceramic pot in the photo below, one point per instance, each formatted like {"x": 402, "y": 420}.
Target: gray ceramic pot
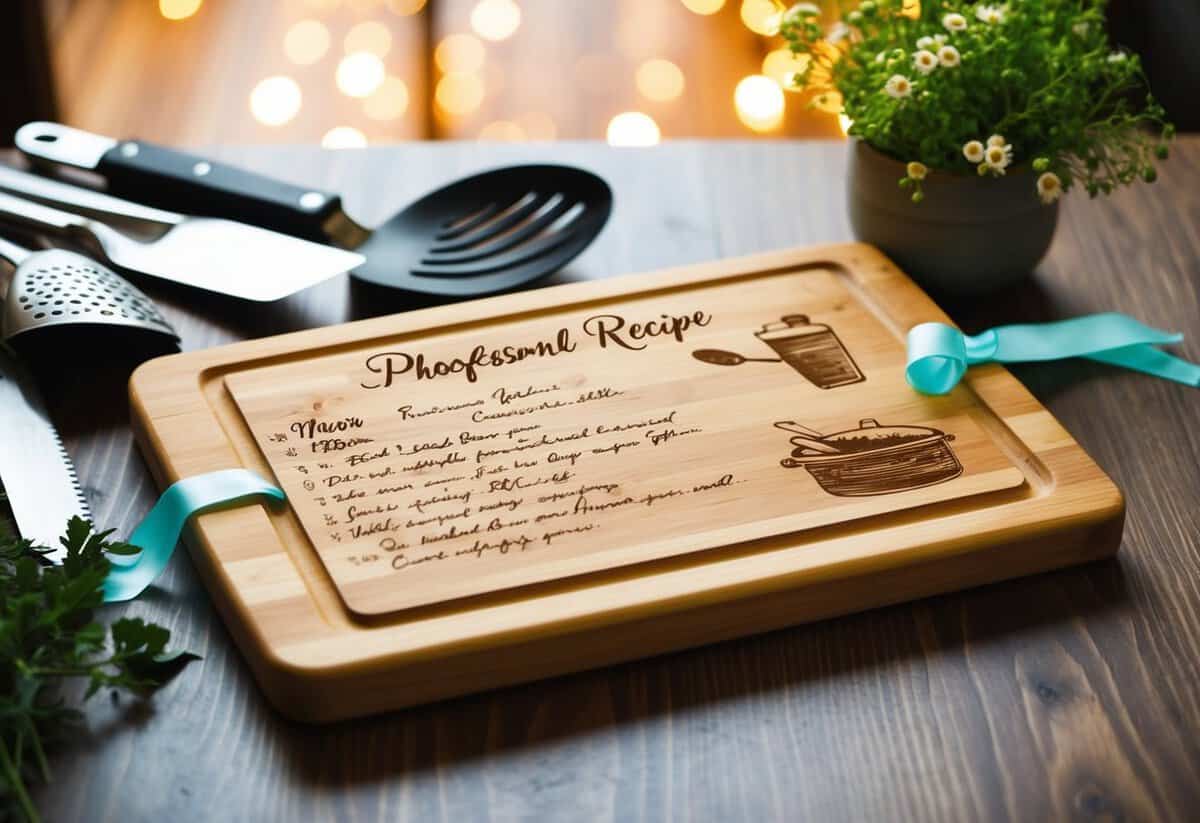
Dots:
{"x": 971, "y": 235}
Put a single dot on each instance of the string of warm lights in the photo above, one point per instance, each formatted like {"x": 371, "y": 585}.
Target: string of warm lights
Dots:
{"x": 464, "y": 77}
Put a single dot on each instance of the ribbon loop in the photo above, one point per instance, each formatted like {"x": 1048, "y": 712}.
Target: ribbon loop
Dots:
{"x": 159, "y": 532}
{"x": 938, "y": 355}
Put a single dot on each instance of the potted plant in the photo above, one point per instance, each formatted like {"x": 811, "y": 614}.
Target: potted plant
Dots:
{"x": 971, "y": 119}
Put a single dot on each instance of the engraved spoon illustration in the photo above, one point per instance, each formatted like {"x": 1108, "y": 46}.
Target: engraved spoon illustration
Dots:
{"x": 808, "y": 438}
{"x": 728, "y": 358}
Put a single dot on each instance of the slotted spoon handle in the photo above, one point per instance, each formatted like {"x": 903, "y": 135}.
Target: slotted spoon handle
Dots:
{"x": 171, "y": 179}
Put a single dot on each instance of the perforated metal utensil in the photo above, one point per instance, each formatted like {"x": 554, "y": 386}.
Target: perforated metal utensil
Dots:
{"x": 55, "y": 287}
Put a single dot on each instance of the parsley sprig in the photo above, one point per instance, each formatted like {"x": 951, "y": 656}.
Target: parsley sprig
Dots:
{"x": 48, "y": 636}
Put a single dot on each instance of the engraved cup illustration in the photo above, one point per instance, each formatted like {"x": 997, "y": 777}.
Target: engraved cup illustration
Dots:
{"x": 813, "y": 349}
{"x": 873, "y": 459}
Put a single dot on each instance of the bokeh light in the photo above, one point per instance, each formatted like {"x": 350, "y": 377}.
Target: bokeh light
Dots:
{"x": 782, "y": 66}
{"x": 502, "y": 131}
{"x": 762, "y": 16}
{"x": 459, "y": 53}
{"x": 659, "y": 79}
{"x": 459, "y": 94}
{"x": 495, "y": 19}
{"x": 633, "y": 128}
{"x": 359, "y": 74}
{"x": 704, "y": 6}
{"x": 275, "y": 100}
{"x": 369, "y": 36}
{"x": 405, "y": 7}
{"x": 389, "y": 102}
{"x": 344, "y": 137}
{"x": 179, "y": 9}
{"x": 759, "y": 102}
{"x": 306, "y": 42}
{"x": 844, "y": 123}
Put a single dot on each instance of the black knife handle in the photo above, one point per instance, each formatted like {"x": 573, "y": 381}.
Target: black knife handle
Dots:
{"x": 179, "y": 181}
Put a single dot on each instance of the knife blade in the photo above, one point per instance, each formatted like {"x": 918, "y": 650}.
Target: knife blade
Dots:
{"x": 39, "y": 477}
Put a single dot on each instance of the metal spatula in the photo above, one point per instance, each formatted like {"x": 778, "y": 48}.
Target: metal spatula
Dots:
{"x": 480, "y": 235}
{"x": 216, "y": 255}
{"x": 59, "y": 288}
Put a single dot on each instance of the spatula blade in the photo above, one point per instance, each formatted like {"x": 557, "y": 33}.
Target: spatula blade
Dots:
{"x": 234, "y": 258}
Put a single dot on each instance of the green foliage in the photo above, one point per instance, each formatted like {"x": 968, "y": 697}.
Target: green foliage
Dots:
{"x": 48, "y": 636}
{"x": 1039, "y": 73}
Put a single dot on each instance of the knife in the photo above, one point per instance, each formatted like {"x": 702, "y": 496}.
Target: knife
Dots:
{"x": 137, "y": 169}
{"x": 39, "y": 478}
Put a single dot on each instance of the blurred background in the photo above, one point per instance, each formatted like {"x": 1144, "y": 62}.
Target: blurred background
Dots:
{"x": 347, "y": 73}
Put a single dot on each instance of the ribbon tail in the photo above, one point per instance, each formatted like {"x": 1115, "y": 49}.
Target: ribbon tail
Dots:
{"x": 1151, "y": 360}
{"x": 158, "y": 534}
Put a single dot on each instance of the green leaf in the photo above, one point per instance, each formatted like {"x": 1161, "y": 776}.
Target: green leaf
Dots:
{"x": 48, "y": 635}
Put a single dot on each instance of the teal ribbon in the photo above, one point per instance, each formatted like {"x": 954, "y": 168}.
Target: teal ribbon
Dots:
{"x": 159, "y": 532}
{"x": 938, "y": 355}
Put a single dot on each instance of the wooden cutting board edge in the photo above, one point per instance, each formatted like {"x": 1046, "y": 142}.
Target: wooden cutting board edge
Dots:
{"x": 317, "y": 664}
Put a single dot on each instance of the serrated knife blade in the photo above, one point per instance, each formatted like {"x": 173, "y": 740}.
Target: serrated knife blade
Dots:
{"x": 38, "y": 475}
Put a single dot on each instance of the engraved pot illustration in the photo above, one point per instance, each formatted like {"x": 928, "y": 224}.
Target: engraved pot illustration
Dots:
{"x": 813, "y": 349}
{"x": 875, "y": 459}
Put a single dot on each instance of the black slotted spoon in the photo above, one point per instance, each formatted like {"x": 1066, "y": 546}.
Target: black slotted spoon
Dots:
{"x": 480, "y": 235}
{"x": 488, "y": 233}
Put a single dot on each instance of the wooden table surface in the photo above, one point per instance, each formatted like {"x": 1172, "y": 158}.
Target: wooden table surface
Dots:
{"x": 1068, "y": 695}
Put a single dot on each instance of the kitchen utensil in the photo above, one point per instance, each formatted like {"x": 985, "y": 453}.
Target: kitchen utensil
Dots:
{"x": 813, "y": 349}
{"x": 728, "y": 358}
{"x": 53, "y": 288}
{"x": 212, "y": 254}
{"x": 808, "y": 438}
{"x": 58, "y": 288}
{"x": 798, "y": 428}
{"x": 874, "y": 459}
{"x": 57, "y": 193}
{"x": 39, "y": 478}
{"x": 484, "y": 234}
{"x": 809, "y": 445}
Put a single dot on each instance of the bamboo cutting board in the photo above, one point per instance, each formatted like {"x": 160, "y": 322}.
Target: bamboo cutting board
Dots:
{"x": 501, "y": 490}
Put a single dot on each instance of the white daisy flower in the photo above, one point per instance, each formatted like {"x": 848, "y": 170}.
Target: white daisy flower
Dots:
{"x": 954, "y": 22}
{"x": 949, "y": 57}
{"x": 973, "y": 151}
{"x": 998, "y": 158}
{"x": 925, "y": 61}
{"x": 1049, "y": 187}
{"x": 898, "y": 86}
{"x": 837, "y": 32}
{"x": 996, "y": 140}
{"x": 917, "y": 171}
{"x": 990, "y": 13}
{"x": 801, "y": 10}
